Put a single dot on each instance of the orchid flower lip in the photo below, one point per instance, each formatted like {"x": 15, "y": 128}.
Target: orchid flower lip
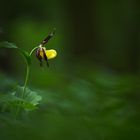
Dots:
{"x": 43, "y": 54}
{"x": 51, "y": 53}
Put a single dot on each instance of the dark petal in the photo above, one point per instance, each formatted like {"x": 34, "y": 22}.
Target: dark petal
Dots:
{"x": 45, "y": 57}
{"x": 48, "y": 38}
{"x": 37, "y": 52}
{"x": 39, "y": 57}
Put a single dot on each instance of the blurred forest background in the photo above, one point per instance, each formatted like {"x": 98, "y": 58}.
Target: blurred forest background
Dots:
{"x": 92, "y": 89}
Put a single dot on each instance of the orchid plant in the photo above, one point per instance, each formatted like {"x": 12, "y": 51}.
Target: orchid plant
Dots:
{"x": 23, "y": 99}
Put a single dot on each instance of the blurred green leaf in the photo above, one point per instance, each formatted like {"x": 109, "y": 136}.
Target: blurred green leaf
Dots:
{"x": 32, "y": 97}
{"x": 10, "y": 102}
{"x": 7, "y": 44}
{"x": 30, "y": 100}
{"x": 26, "y": 56}
{"x": 8, "y": 98}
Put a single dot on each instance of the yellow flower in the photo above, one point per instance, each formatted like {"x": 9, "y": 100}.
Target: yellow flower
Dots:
{"x": 43, "y": 54}
{"x": 51, "y": 53}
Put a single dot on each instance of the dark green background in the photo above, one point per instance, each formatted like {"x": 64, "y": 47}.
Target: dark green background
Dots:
{"x": 92, "y": 89}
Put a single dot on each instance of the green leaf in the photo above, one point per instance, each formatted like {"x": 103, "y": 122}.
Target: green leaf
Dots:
{"x": 31, "y": 98}
{"x": 10, "y": 102}
{"x": 26, "y": 55}
{"x": 7, "y": 44}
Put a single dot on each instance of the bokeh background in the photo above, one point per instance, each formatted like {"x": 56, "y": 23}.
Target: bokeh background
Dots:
{"x": 92, "y": 89}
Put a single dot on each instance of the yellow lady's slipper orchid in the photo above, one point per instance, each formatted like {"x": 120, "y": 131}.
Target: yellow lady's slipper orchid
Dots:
{"x": 42, "y": 53}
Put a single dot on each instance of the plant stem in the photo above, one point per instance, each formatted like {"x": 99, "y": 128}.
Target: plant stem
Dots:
{"x": 24, "y": 89}
{"x": 33, "y": 50}
{"x": 26, "y": 80}
{"x": 25, "y": 83}
{"x": 27, "y": 72}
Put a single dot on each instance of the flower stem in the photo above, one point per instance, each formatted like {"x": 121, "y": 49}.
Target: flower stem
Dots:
{"x": 26, "y": 80}
{"x": 24, "y": 89}
{"x": 33, "y": 50}
{"x": 27, "y": 72}
{"x": 25, "y": 83}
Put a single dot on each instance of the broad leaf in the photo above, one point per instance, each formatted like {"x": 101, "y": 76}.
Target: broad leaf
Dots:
{"x": 30, "y": 100}
{"x": 10, "y": 102}
{"x": 7, "y": 44}
{"x": 32, "y": 97}
{"x": 26, "y": 56}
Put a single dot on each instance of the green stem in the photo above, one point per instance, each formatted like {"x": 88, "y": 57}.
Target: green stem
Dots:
{"x": 33, "y": 50}
{"x": 27, "y": 72}
{"x": 26, "y": 80}
{"x": 24, "y": 89}
{"x": 25, "y": 83}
